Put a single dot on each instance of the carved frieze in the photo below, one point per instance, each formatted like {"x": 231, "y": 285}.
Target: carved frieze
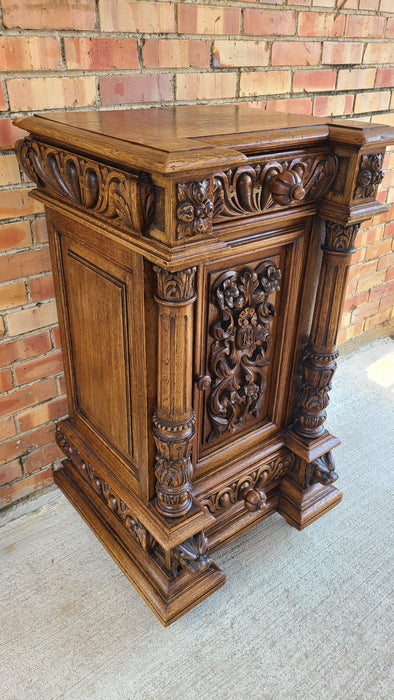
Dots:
{"x": 107, "y": 494}
{"x": 241, "y": 337}
{"x": 340, "y": 238}
{"x": 258, "y": 187}
{"x": 127, "y": 199}
{"x": 194, "y": 210}
{"x": 369, "y": 177}
{"x": 234, "y": 492}
{"x": 175, "y": 286}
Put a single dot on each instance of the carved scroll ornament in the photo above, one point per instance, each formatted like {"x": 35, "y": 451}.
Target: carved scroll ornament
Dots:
{"x": 255, "y": 188}
{"x": 126, "y": 198}
{"x": 194, "y": 211}
{"x": 241, "y": 339}
{"x": 370, "y": 175}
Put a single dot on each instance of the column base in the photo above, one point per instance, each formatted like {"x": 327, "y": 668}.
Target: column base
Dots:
{"x": 169, "y": 595}
{"x": 301, "y": 507}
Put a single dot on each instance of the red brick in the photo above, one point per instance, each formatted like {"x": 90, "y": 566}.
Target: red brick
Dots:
{"x": 200, "y": 86}
{"x": 20, "y": 399}
{"x": 39, "y": 415}
{"x": 338, "y": 52}
{"x": 12, "y": 295}
{"x": 302, "y": 105}
{"x": 371, "y": 281}
{"x": 364, "y": 311}
{"x": 178, "y": 53}
{"x": 9, "y": 472}
{"x": 378, "y": 249}
{"x": 314, "y": 80}
{"x": 265, "y": 83}
{"x": 359, "y": 271}
{"x": 2, "y": 329}
{"x": 57, "y": 14}
{"x": 204, "y": 19}
{"x": 384, "y": 290}
{"x": 356, "y": 78}
{"x": 51, "y": 93}
{"x": 24, "y": 263}
{"x": 9, "y": 133}
{"x": 378, "y": 319}
{"x": 366, "y": 26}
{"x": 15, "y": 235}
{"x": 378, "y": 52}
{"x": 333, "y": 105}
{"x": 240, "y": 53}
{"x": 390, "y": 28}
{"x": 5, "y": 380}
{"x": 386, "y": 6}
{"x": 387, "y": 304}
{"x": 32, "y": 318}
{"x": 386, "y": 261}
{"x": 353, "y": 302}
{"x": 295, "y": 53}
{"x": 9, "y": 170}
{"x": 24, "y": 487}
{"x": 61, "y": 380}
{"x": 7, "y": 428}
{"x": 41, "y": 458}
{"x": 351, "y": 332}
{"x": 100, "y": 53}
{"x": 384, "y": 77}
{"x": 136, "y": 16}
{"x": 39, "y": 368}
{"x": 371, "y": 101}
{"x": 56, "y": 336}
{"x": 369, "y": 4}
{"x": 3, "y": 104}
{"x": 40, "y": 232}
{"x": 22, "y": 445}
{"x": 15, "y": 203}
{"x": 124, "y": 89}
{"x": 320, "y": 24}
{"x": 269, "y": 22}
{"x": 24, "y": 348}
{"x": 41, "y": 288}
{"x": 20, "y": 53}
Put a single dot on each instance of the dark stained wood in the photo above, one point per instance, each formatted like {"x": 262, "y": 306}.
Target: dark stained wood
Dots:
{"x": 200, "y": 257}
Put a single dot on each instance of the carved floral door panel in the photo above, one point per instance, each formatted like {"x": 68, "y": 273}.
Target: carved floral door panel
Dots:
{"x": 247, "y": 337}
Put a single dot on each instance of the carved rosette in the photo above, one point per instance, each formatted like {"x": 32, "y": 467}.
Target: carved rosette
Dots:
{"x": 125, "y": 198}
{"x": 340, "y": 238}
{"x": 241, "y": 336}
{"x": 312, "y": 400}
{"x": 191, "y": 555}
{"x": 107, "y": 494}
{"x": 175, "y": 286}
{"x": 194, "y": 210}
{"x": 173, "y": 465}
{"x": 255, "y": 188}
{"x": 232, "y": 493}
{"x": 369, "y": 177}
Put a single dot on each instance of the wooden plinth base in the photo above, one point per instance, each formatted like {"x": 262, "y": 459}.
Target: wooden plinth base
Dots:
{"x": 168, "y": 596}
{"x": 301, "y": 508}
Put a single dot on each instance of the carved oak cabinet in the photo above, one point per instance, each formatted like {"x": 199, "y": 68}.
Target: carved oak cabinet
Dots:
{"x": 200, "y": 257}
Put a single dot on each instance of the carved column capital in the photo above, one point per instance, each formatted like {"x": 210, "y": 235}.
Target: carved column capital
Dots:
{"x": 175, "y": 287}
{"x": 339, "y": 238}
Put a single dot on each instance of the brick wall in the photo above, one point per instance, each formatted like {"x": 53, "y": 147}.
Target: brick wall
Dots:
{"x": 321, "y": 57}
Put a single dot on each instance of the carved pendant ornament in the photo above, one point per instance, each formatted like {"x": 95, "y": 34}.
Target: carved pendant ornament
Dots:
{"x": 241, "y": 336}
{"x": 126, "y": 198}
{"x": 194, "y": 211}
{"x": 370, "y": 175}
{"x": 318, "y": 370}
{"x": 253, "y": 189}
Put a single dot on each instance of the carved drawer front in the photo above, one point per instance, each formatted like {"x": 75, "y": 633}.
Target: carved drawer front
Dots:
{"x": 101, "y": 315}
{"x": 248, "y": 332}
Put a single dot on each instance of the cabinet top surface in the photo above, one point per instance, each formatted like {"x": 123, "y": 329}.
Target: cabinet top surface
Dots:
{"x": 154, "y": 136}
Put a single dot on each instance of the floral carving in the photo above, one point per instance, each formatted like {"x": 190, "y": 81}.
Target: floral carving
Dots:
{"x": 125, "y": 197}
{"x": 234, "y": 492}
{"x": 241, "y": 339}
{"x": 340, "y": 238}
{"x": 252, "y": 189}
{"x": 106, "y": 492}
{"x": 370, "y": 175}
{"x": 192, "y": 554}
{"x": 175, "y": 286}
{"x": 194, "y": 211}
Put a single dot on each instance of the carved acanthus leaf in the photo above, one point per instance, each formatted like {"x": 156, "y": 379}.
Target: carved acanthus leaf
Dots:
{"x": 125, "y": 197}
{"x": 241, "y": 335}
{"x": 340, "y": 238}
{"x": 175, "y": 286}
{"x": 194, "y": 211}
{"x": 258, "y": 187}
{"x": 232, "y": 493}
{"x": 192, "y": 554}
{"x": 370, "y": 175}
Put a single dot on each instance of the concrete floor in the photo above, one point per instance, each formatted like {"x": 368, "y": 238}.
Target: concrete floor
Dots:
{"x": 302, "y": 615}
